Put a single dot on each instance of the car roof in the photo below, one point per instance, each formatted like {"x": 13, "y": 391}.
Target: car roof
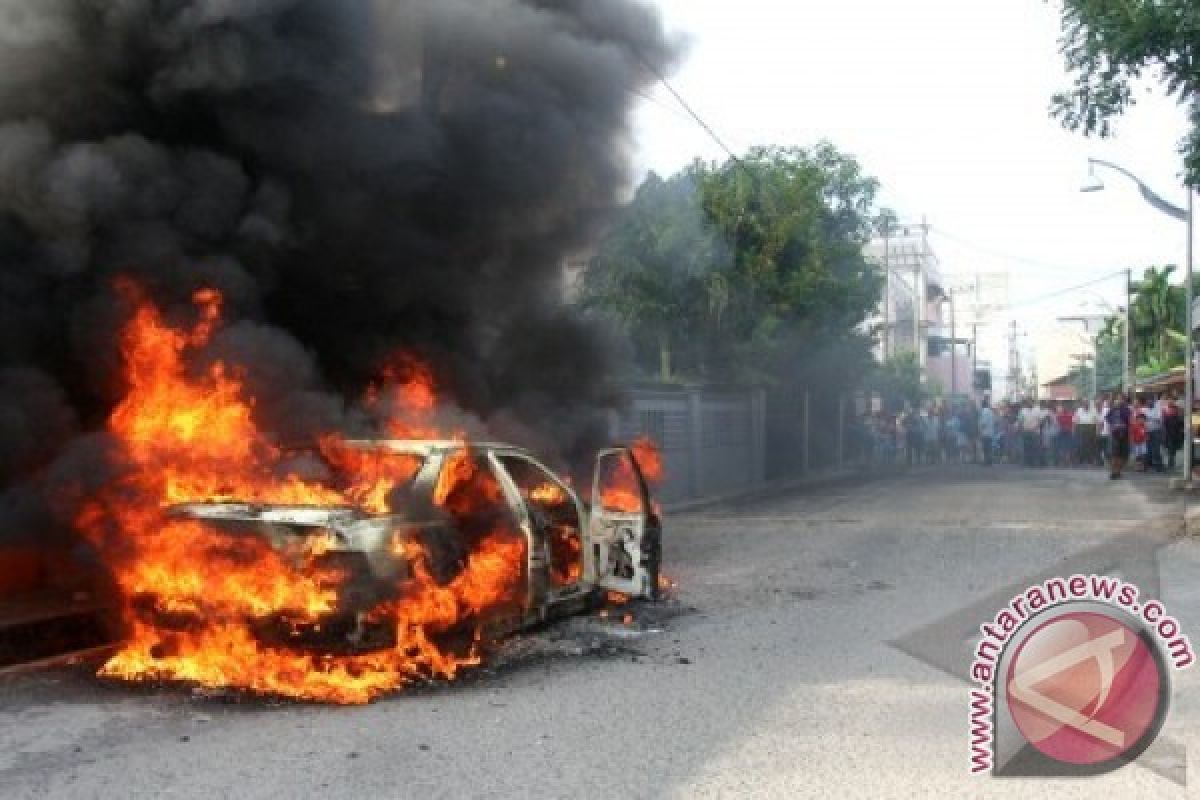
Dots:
{"x": 425, "y": 447}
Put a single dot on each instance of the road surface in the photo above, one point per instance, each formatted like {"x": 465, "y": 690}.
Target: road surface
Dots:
{"x": 815, "y": 647}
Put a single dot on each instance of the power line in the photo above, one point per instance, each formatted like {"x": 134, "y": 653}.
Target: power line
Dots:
{"x": 691, "y": 112}
{"x": 688, "y": 108}
{"x": 663, "y": 106}
{"x": 1058, "y": 292}
{"x": 998, "y": 254}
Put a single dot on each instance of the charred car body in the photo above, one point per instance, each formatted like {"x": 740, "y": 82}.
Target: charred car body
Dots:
{"x": 574, "y": 551}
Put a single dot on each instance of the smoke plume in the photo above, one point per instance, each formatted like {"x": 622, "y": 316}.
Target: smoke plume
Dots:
{"x": 357, "y": 177}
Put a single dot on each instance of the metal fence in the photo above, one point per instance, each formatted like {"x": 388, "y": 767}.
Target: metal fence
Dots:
{"x": 713, "y": 439}
{"x": 720, "y": 440}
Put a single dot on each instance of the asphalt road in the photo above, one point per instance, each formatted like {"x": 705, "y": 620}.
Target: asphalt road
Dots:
{"x": 816, "y": 647}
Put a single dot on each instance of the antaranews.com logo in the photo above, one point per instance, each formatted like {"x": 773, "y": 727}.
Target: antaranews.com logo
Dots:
{"x": 1073, "y": 678}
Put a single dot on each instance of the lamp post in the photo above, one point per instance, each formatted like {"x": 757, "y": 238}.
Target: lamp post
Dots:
{"x": 1184, "y": 215}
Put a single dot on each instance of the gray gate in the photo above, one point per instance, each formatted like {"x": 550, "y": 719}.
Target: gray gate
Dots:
{"x": 712, "y": 439}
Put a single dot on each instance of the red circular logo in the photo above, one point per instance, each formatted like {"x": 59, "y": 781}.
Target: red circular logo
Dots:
{"x": 1085, "y": 688}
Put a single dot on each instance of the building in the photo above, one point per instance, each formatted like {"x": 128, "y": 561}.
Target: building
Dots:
{"x": 973, "y": 336}
{"x": 1061, "y": 389}
{"x": 911, "y": 307}
{"x": 1059, "y": 350}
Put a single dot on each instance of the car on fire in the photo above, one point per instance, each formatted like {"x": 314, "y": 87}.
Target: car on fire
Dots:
{"x": 575, "y": 551}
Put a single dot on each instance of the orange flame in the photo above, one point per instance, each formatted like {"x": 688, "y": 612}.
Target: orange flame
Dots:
{"x": 621, "y": 490}
{"x": 649, "y": 459}
{"x": 374, "y": 474}
{"x": 406, "y": 397}
{"x": 195, "y": 594}
{"x": 548, "y": 494}
{"x": 566, "y": 555}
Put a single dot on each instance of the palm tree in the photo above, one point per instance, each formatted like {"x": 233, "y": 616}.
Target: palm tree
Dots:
{"x": 1157, "y": 319}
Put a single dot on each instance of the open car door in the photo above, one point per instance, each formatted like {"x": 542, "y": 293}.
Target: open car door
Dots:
{"x": 624, "y": 539}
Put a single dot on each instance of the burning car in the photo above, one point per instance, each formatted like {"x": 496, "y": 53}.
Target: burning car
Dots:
{"x": 572, "y": 551}
{"x": 348, "y": 569}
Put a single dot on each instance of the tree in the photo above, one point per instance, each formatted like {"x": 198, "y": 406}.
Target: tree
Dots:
{"x": 1109, "y": 44}
{"x": 1158, "y": 314}
{"x": 1110, "y": 361}
{"x": 898, "y": 381}
{"x": 747, "y": 270}
{"x": 656, "y": 270}
{"x": 1081, "y": 380}
{"x": 796, "y": 222}
{"x": 1156, "y": 310}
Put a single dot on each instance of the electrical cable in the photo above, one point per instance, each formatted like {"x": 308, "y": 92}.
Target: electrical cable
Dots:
{"x": 998, "y": 254}
{"x": 1057, "y": 292}
{"x": 661, "y": 78}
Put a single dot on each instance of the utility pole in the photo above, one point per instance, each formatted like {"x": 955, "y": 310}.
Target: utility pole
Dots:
{"x": 1189, "y": 352}
{"x": 919, "y": 291}
{"x": 887, "y": 289}
{"x": 1127, "y": 366}
{"x": 974, "y": 351}
{"x": 953, "y": 348}
{"x": 1014, "y": 369}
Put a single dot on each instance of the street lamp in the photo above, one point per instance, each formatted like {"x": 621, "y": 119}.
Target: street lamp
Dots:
{"x": 1094, "y": 184}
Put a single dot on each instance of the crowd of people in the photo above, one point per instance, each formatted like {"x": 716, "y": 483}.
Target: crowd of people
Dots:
{"x": 1146, "y": 434}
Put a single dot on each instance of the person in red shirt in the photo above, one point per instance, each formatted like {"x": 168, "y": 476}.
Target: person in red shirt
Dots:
{"x": 1064, "y": 440}
{"x": 1137, "y": 437}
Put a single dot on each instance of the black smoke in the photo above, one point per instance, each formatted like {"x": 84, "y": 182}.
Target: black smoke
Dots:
{"x": 357, "y": 177}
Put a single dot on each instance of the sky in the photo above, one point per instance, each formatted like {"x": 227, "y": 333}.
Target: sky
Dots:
{"x": 946, "y": 103}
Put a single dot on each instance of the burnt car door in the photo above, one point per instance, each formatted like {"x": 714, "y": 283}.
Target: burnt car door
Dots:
{"x": 554, "y": 514}
{"x": 624, "y": 535}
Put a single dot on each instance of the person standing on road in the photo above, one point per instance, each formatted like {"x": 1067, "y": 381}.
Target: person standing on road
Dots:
{"x": 1064, "y": 440}
{"x": 1118, "y": 419}
{"x": 932, "y": 436}
{"x": 1012, "y": 431}
{"x": 1173, "y": 425}
{"x": 914, "y": 438}
{"x": 970, "y": 429}
{"x": 1085, "y": 434}
{"x": 1049, "y": 434}
{"x": 1137, "y": 440}
{"x": 951, "y": 435}
{"x": 1154, "y": 434}
{"x": 1104, "y": 405}
{"x": 1030, "y": 423}
{"x": 987, "y": 431}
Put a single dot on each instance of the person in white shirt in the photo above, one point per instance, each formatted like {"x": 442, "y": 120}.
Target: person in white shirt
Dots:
{"x": 1104, "y": 430}
{"x": 1049, "y": 434}
{"x": 1086, "y": 434}
{"x": 1154, "y": 433}
{"x": 987, "y": 431}
{"x": 1030, "y": 423}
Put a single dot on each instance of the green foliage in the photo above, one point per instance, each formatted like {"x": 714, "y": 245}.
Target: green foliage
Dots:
{"x": 1109, "y": 44}
{"x": 746, "y": 270}
{"x": 1081, "y": 380}
{"x": 658, "y": 270}
{"x": 1110, "y": 362}
{"x": 1158, "y": 312}
{"x": 898, "y": 381}
{"x": 1157, "y": 307}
